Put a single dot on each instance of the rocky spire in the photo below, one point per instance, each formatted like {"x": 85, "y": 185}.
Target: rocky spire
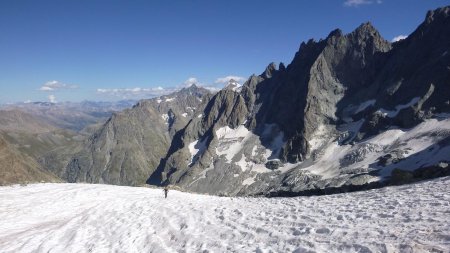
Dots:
{"x": 270, "y": 70}
{"x": 335, "y": 33}
{"x": 438, "y": 14}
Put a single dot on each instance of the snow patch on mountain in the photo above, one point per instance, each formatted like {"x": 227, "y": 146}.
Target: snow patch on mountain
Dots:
{"x": 349, "y": 130}
{"x": 338, "y": 159}
{"x": 231, "y": 140}
{"x": 276, "y": 141}
{"x": 318, "y": 138}
{"x": 398, "y": 108}
{"x": 196, "y": 149}
{"x": 235, "y": 142}
{"x": 247, "y": 164}
{"x": 249, "y": 180}
{"x": 351, "y": 110}
{"x": 364, "y": 105}
{"x": 328, "y": 164}
{"x": 165, "y": 117}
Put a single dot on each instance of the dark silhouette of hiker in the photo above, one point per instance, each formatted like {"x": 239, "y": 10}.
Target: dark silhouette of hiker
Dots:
{"x": 166, "y": 190}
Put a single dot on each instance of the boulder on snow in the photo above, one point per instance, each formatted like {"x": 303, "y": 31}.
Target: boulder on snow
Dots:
{"x": 273, "y": 164}
{"x": 441, "y": 169}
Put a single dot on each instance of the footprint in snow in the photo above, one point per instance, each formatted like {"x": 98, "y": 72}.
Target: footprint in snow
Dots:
{"x": 322, "y": 231}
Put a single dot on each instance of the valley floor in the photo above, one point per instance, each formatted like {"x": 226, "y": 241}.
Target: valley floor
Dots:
{"x": 103, "y": 218}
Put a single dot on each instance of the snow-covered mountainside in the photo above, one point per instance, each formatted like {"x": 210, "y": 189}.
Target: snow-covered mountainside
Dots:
{"x": 103, "y": 218}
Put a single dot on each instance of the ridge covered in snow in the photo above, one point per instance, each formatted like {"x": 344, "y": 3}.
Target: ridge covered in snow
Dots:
{"x": 105, "y": 218}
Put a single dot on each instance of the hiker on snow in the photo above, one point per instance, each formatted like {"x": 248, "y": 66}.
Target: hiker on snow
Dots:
{"x": 166, "y": 190}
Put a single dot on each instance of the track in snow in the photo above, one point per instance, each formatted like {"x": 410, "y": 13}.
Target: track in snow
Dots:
{"x": 103, "y": 218}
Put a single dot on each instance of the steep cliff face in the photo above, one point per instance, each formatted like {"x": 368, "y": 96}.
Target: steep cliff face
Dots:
{"x": 130, "y": 145}
{"x": 323, "y": 76}
{"x": 415, "y": 74}
{"x": 339, "y": 97}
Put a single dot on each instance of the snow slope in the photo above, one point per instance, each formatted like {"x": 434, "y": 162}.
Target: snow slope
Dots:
{"x": 418, "y": 145}
{"x": 104, "y": 218}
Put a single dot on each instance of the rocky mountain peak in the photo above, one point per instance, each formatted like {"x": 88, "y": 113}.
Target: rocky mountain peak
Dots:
{"x": 438, "y": 14}
{"x": 281, "y": 67}
{"x": 365, "y": 31}
{"x": 270, "y": 69}
{"x": 233, "y": 85}
{"x": 233, "y": 82}
{"x": 335, "y": 33}
{"x": 193, "y": 86}
{"x": 193, "y": 90}
{"x": 307, "y": 46}
{"x": 366, "y": 27}
{"x": 435, "y": 27}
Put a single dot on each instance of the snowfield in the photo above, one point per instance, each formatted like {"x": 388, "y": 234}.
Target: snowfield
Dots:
{"x": 104, "y": 218}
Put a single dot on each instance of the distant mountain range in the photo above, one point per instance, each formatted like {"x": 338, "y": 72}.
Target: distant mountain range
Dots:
{"x": 351, "y": 111}
{"x": 70, "y": 115}
{"x": 30, "y": 132}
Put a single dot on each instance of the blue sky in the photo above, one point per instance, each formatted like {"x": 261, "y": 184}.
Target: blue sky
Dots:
{"x": 108, "y": 50}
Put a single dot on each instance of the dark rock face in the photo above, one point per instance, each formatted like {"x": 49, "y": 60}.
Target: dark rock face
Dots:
{"x": 320, "y": 78}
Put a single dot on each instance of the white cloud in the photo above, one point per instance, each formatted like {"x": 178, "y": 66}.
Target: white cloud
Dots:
{"x": 136, "y": 93}
{"x": 52, "y": 98}
{"x": 56, "y": 85}
{"x": 400, "y": 37}
{"x": 226, "y": 79}
{"x": 213, "y": 89}
{"x": 142, "y": 93}
{"x": 45, "y": 88}
{"x": 356, "y": 3}
{"x": 190, "y": 81}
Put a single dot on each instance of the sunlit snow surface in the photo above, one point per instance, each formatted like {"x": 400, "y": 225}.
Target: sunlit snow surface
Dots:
{"x": 102, "y": 218}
